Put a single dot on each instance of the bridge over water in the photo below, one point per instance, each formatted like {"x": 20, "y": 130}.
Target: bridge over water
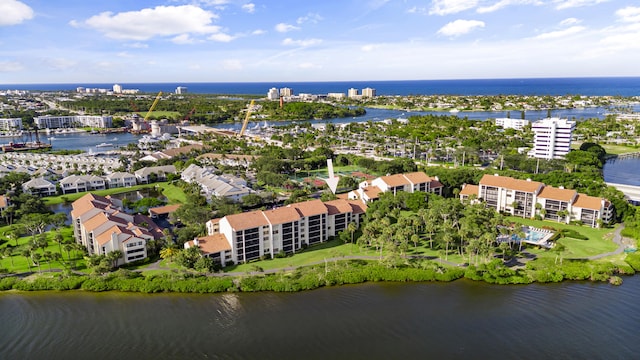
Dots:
{"x": 632, "y": 192}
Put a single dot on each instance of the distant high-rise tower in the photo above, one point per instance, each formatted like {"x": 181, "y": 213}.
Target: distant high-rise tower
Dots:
{"x": 273, "y": 94}
{"x": 352, "y": 93}
{"x": 552, "y": 138}
{"x": 368, "y": 92}
{"x": 286, "y": 92}
{"x": 181, "y": 90}
{"x": 117, "y": 88}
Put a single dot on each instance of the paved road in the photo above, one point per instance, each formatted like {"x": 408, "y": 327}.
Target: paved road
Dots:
{"x": 618, "y": 239}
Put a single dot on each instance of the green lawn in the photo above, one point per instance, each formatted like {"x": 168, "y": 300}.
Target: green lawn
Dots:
{"x": 599, "y": 240}
{"x": 17, "y": 263}
{"x": 174, "y": 194}
{"x": 314, "y": 254}
{"x": 610, "y": 148}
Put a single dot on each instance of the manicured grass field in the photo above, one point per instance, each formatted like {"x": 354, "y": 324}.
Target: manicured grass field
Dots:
{"x": 174, "y": 194}
{"x": 314, "y": 254}
{"x": 599, "y": 240}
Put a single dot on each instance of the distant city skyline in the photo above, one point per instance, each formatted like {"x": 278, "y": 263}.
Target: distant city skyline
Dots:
{"x": 122, "y": 41}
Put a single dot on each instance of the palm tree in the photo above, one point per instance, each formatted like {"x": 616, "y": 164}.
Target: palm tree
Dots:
{"x": 26, "y": 252}
{"x": 114, "y": 256}
{"x": 36, "y": 259}
{"x": 352, "y": 228}
{"x": 169, "y": 251}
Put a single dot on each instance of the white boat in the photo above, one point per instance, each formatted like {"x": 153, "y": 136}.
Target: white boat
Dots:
{"x": 104, "y": 145}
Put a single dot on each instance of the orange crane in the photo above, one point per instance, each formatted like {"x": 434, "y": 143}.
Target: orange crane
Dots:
{"x": 246, "y": 119}
{"x": 155, "y": 102}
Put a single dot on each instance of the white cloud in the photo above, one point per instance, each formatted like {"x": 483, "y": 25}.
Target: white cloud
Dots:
{"x": 504, "y": 3}
{"x": 566, "y": 4}
{"x": 283, "y": 28}
{"x": 137, "y": 45}
{"x": 183, "y": 39}
{"x": 10, "y": 66}
{"x": 308, "y": 65}
{"x": 221, "y": 37}
{"x": 418, "y": 10}
{"x": 303, "y": 43}
{"x": 570, "y": 21}
{"x": 232, "y": 64}
{"x": 629, "y": 14}
{"x": 369, "y": 47}
{"x": 258, "y": 32}
{"x": 310, "y": 17}
{"x": 159, "y": 21}
{"x": 560, "y": 33}
{"x": 445, "y": 7}
{"x": 460, "y": 27}
{"x": 124, "y": 54}
{"x": 60, "y": 63}
{"x": 250, "y": 8}
{"x": 13, "y": 12}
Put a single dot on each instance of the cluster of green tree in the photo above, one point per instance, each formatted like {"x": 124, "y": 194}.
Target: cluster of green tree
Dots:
{"x": 307, "y": 111}
{"x": 547, "y": 270}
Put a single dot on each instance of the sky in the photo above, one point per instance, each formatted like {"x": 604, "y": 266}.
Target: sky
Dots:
{"x": 128, "y": 41}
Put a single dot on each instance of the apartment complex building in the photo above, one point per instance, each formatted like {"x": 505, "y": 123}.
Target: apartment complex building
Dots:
{"x": 409, "y": 182}
{"x": 552, "y": 138}
{"x": 508, "y": 123}
{"x": 56, "y": 122}
{"x": 249, "y": 236}
{"x": 10, "y": 124}
{"x": 101, "y": 226}
{"x": 528, "y": 198}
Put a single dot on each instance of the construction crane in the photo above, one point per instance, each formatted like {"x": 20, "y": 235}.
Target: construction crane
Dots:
{"x": 246, "y": 119}
{"x": 155, "y": 102}
{"x": 186, "y": 118}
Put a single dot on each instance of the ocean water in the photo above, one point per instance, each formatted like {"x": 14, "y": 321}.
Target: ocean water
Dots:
{"x": 617, "y": 86}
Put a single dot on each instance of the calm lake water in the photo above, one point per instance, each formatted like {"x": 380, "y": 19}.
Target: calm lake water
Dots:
{"x": 459, "y": 320}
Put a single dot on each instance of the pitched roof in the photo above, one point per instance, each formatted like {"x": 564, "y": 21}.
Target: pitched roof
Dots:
{"x": 395, "y": 180}
{"x": 281, "y": 215}
{"x": 588, "y": 202}
{"x": 339, "y": 206}
{"x": 372, "y": 192}
{"x": 310, "y": 208}
{"x": 550, "y": 192}
{"x": 418, "y": 177}
{"x": 248, "y": 220}
{"x": 510, "y": 183}
{"x": 161, "y": 210}
{"x": 470, "y": 190}
{"x": 212, "y": 244}
{"x": 358, "y": 206}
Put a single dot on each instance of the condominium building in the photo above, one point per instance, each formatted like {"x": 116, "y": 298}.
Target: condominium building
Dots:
{"x": 368, "y": 92}
{"x": 10, "y": 124}
{"x": 287, "y": 229}
{"x": 100, "y": 225}
{"x": 55, "y": 122}
{"x": 353, "y": 93}
{"x": 552, "y": 138}
{"x": 117, "y": 88}
{"x": 508, "y": 123}
{"x": 273, "y": 94}
{"x": 181, "y": 90}
{"x": 286, "y": 92}
{"x": 528, "y": 198}
{"x": 409, "y": 182}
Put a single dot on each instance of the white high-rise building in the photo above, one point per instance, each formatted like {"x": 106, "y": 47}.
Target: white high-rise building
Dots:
{"x": 552, "y": 138}
{"x": 352, "y": 93}
{"x": 508, "y": 123}
{"x": 286, "y": 92}
{"x": 117, "y": 88}
{"x": 273, "y": 94}
{"x": 181, "y": 90}
{"x": 368, "y": 92}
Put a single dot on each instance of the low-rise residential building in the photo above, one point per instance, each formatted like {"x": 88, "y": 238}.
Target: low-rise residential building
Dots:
{"x": 214, "y": 247}
{"x": 81, "y": 183}
{"x": 408, "y": 182}
{"x": 287, "y": 229}
{"x": 101, "y": 226}
{"x": 212, "y": 185}
{"x": 147, "y": 174}
{"x": 40, "y": 187}
{"x": 528, "y": 198}
{"x": 120, "y": 179}
{"x": 508, "y": 123}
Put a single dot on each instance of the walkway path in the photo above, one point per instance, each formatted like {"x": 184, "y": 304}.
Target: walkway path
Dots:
{"x": 618, "y": 239}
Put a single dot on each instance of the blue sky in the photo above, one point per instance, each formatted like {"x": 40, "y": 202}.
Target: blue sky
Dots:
{"x": 110, "y": 41}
